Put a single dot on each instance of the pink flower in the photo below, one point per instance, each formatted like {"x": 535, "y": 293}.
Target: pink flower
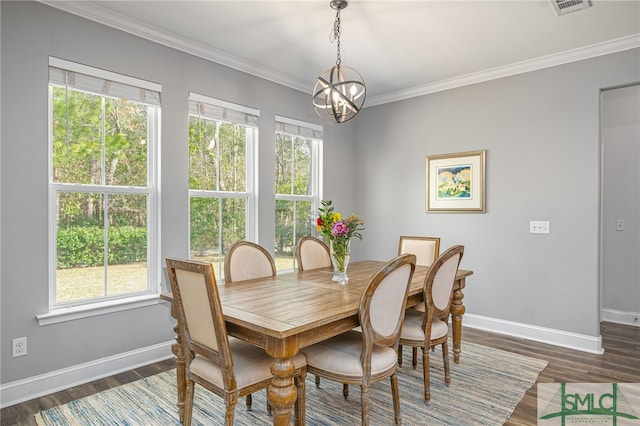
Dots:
{"x": 339, "y": 229}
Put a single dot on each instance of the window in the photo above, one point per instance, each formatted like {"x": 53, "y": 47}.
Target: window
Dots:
{"x": 222, "y": 140}
{"x": 102, "y": 200}
{"x": 298, "y": 160}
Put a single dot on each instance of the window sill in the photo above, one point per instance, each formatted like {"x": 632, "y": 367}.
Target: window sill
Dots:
{"x": 78, "y": 312}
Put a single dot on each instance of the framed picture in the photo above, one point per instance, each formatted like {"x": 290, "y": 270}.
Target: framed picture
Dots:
{"x": 455, "y": 182}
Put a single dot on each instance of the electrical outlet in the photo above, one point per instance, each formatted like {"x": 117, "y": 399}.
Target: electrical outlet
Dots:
{"x": 19, "y": 347}
{"x": 539, "y": 227}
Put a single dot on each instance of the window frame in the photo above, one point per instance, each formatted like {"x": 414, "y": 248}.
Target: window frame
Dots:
{"x": 316, "y": 171}
{"x": 251, "y": 173}
{"x": 65, "y": 311}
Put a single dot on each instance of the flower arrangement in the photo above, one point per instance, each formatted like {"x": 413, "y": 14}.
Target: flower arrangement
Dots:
{"x": 338, "y": 231}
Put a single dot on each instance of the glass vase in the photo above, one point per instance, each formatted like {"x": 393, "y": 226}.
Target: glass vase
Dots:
{"x": 340, "y": 253}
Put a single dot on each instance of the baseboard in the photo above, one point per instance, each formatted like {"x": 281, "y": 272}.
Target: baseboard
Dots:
{"x": 45, "y": 384}
{"x": 620, "y": 317}
{"x": 551, "y": 336}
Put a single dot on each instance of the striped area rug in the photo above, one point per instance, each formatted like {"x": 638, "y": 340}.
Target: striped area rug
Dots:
{"x": 485, "y": 388}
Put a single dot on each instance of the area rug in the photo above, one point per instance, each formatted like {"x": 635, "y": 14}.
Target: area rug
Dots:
{"x": 485, "y": 388}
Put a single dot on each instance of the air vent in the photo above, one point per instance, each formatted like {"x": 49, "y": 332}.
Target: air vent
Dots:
{"x": 562, "y": 7}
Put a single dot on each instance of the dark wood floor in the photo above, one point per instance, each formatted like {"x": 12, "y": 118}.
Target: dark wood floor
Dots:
{"x": 620, "y": 363}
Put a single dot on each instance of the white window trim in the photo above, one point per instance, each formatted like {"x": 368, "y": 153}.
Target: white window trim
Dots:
{"x": 251, "y": 169}
{"x": 316, "y": 167}
{"x": 82, "y": 309}
{"x": 104, "y": 307}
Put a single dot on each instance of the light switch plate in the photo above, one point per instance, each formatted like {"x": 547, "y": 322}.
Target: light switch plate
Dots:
{"x": 539, "y": 227}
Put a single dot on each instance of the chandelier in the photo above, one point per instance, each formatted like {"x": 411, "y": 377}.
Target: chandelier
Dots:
{"x": 339, "y": 92}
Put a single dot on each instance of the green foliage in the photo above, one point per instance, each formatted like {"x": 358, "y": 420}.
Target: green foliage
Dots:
{"x": 98, "y": 140}
{"x": 84, "y": 246}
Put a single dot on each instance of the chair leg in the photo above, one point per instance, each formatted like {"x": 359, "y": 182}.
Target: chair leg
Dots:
{"x": 228, "y": 415}
{"x": 395, "y": 392}
{"x": 249, "y": 402}
{"x": 230, "y": 401}
{"x": 318, "y": 381}
{"x": 445, "y": 358}
{"x": 414, "y": 360}
{"x": 345, "y": 390}
{"x": 188, "y": 403}
{"x": 426, "y": 374}
{"x": 364, "y": 403}
{"x": 400, "y": 355}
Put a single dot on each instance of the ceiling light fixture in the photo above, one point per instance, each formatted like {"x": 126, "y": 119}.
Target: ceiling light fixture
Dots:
{"x": 339, "y": 92}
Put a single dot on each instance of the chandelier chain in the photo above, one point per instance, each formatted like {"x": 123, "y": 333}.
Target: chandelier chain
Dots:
{"x": 335, "y": 35}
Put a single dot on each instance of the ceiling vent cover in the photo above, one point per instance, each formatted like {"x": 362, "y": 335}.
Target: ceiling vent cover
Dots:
{"x": 562, "y": 7}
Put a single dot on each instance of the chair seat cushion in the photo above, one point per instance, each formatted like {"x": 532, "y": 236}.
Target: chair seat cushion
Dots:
{"x": 250, "y": 365}
{"x": 412, "y": 327}
{"x": 340, "y": 355}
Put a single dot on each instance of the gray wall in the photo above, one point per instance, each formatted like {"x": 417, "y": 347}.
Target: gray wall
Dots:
{"x": 541, "y": 133}
{"x": 30, "y": 33}
{"x": 621, "y": 201}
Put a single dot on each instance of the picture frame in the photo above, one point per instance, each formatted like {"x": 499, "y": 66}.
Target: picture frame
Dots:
{"x": 456, "y": 182}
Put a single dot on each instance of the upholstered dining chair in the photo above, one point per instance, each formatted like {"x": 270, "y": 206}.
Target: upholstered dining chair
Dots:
{"x": 246, "y": 261}
{"x": 427, "y": 250}
{"x": 226, "y": 366}
{"x": 371, "y": 355}
{"x": 312, "y": 253}
{"x": 427, "y": 329}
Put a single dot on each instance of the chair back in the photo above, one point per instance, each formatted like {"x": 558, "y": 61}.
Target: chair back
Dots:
{"x": 438, "y": 286}
{"x": 199, "y": 311}
{"x": 312, "y": 253}
{"x": 247, "y": 261}
{"x": 426, "y": 249}
{"x": 384, "y": 301}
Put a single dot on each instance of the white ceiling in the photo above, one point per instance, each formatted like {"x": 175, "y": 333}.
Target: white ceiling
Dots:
{"x": 401, "y": 48}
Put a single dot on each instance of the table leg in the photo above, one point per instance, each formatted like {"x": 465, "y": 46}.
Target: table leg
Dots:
{"x": 282, "y": 393}
{"x": 457, "y": 310}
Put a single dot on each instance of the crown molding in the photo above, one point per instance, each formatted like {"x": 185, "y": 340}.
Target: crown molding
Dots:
{"x": 126, "y": 24}
{"x": 586, "y": 52}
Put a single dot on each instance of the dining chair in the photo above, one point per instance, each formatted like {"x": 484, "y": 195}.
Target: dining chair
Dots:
{"x": 371, "y": 355}
{"x": 247, "y": 261}
{"x": 226, "y": 366}
{"x": 431, "y": 328}
{"x": 312, "y": 253}
{"x": 427, "y": 250}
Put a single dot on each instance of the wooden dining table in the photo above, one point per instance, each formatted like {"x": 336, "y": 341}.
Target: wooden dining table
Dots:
{"x": 285, "y": 313}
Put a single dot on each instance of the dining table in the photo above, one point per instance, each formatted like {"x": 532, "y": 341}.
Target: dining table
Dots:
{"x": 290, "y": 311}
